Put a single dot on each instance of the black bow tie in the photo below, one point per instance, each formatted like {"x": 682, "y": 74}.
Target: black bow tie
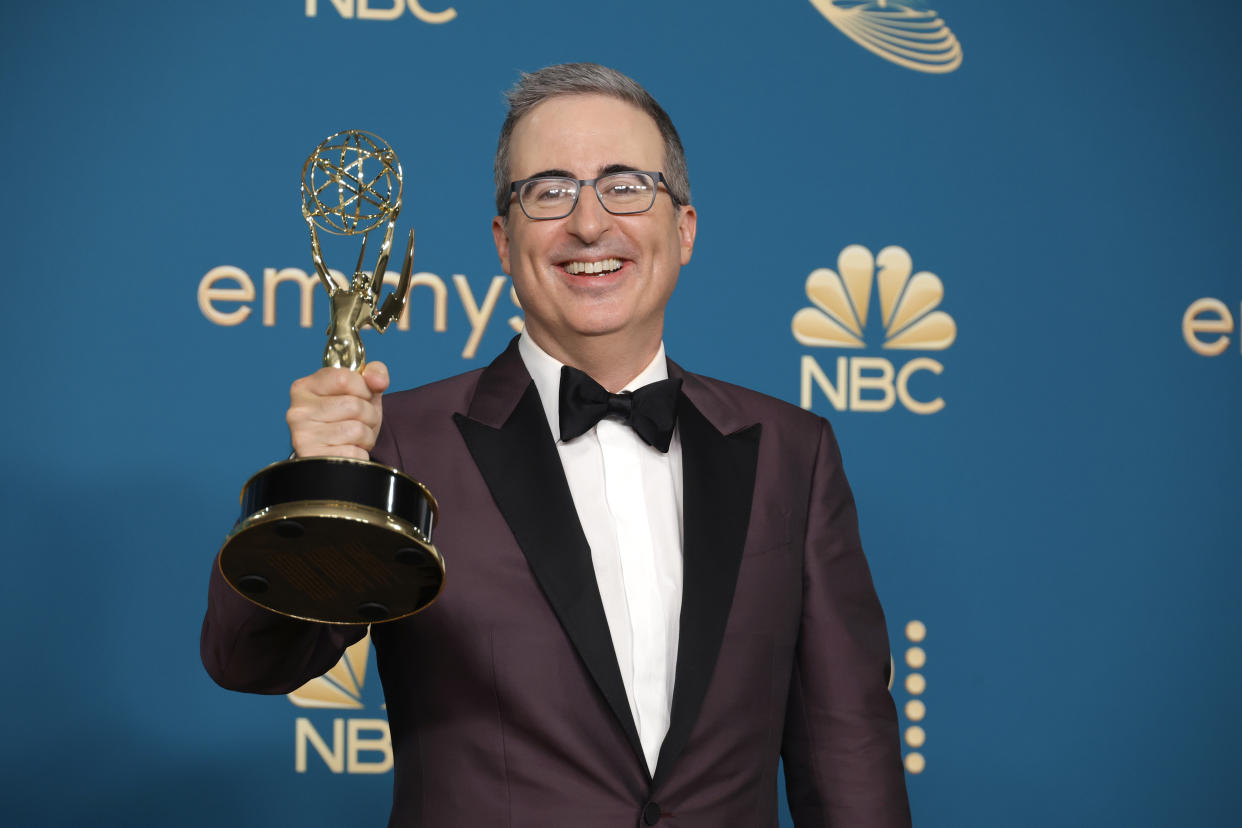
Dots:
{"x": 651, "y": 410}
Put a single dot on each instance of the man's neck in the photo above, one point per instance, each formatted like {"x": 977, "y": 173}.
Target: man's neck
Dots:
{"x": 612, "y": 360}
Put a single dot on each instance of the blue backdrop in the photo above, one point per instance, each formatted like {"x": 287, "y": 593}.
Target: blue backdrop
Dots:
{"x": 1063, "y": 523}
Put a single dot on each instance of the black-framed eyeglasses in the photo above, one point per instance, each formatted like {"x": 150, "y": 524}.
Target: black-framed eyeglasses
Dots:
{"x": 622, "y": 193}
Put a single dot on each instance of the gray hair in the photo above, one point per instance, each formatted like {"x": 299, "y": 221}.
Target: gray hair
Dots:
{"x": 587, "y": 79}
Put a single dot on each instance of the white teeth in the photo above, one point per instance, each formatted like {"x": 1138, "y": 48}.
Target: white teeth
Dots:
{"x": 602, "y": 266}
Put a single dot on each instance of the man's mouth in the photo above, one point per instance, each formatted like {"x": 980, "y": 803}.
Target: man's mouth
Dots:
{"x": 601, "y": 267}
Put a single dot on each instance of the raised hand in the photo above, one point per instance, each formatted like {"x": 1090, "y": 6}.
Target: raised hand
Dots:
{"x": 336, "y": 412}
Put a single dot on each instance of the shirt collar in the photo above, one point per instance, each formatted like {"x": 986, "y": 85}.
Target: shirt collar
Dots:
{"x": 545, "y": 370}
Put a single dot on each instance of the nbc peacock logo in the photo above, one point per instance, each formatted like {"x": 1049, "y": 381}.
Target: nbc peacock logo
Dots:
{"x": 341, "y": 687}
{"x": 841, "y": 305}
{"x": 896, "y": 30}
{"x": 356, "y": 745}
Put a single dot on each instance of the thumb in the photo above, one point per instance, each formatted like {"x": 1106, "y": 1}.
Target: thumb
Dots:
{"x": 376, "y": 376}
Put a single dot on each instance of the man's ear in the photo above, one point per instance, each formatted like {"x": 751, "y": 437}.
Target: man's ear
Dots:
{"x": 687, "y": 225}
{"x": 500, "y": 234}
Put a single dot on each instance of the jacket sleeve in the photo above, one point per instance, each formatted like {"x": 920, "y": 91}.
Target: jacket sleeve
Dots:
{"x": 245, "y": 647}
{"x": 841, "y": 744}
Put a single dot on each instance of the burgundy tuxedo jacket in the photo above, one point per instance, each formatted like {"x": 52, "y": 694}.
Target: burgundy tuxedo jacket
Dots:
{"x": 504, "y": 698}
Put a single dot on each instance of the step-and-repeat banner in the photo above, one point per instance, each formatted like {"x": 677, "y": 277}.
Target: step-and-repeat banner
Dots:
{"x": 996, "y": 244}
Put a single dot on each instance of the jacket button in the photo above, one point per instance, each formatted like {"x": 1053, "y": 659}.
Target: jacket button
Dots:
{"x": 651, "y": 813}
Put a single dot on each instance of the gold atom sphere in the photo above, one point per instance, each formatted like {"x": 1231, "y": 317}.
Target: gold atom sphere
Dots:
{"x": 351, "y": 183}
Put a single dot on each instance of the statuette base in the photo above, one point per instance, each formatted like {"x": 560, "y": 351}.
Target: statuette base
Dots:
{"x": 302, "y": 552}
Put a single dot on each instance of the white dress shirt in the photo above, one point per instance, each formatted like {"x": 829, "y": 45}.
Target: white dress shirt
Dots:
{"x": 629, "y": 500}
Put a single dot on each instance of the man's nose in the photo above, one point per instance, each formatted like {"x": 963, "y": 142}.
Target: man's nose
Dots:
{"x": 589, "y": 221}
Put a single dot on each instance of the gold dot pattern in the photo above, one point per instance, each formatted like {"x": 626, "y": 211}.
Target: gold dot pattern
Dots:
{"x": 915, "y": 708}
{"x": 916, "y": 631}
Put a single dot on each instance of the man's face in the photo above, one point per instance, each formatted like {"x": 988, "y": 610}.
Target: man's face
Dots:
{"x": 586, "y": 136}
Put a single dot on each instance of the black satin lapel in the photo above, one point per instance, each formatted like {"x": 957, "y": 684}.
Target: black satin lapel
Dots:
{"x": 718, "y": 474}
{"x": 522, "y": 469}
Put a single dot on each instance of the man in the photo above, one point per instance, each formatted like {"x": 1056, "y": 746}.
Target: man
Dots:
{"x": 640, "y": 618}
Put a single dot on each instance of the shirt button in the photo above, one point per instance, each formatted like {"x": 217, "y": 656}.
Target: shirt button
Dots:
{"x": 651, "y": 813}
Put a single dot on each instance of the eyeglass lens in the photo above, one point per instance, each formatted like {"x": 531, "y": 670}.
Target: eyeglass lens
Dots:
{"x": 626, "y": 192}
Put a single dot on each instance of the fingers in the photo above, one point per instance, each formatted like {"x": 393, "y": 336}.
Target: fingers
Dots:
{"x": 375, "y": 375}
{"x": 335, "y": 412}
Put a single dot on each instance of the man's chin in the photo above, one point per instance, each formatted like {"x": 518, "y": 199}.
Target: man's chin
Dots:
{"x": 584, "y": 328}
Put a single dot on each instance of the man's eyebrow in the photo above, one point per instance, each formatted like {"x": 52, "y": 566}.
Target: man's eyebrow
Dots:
{"x": 552, "y": 174}
{"x": 603, "y": 171}
{"x": 616, "y": 168}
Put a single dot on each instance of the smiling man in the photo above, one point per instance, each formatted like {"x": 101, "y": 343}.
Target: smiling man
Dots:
{"x": 655, "y": 584}
{"x": 593, "y": 283}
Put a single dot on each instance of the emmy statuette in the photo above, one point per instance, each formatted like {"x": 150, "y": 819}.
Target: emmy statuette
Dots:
{"x": 333, "y": 539}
